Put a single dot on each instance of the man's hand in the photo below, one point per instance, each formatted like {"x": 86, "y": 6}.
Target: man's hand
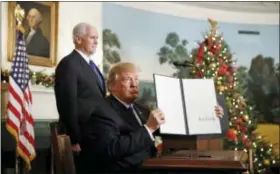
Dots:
{"x": 219, "y": 111}
{"x": 76, "y": 148}
{"x": 156, "y": 119}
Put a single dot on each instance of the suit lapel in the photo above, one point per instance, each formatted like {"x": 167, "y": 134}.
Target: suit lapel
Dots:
{"x": 124, "y": 113}
{"x": 140, "y": 114}
{"x": 86, "y": 67}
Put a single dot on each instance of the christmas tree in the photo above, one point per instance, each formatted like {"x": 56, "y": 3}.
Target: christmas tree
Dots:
{"x": 213, "y": 59}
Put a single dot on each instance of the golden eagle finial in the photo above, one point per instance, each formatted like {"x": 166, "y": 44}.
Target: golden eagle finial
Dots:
{"x": 213, "y": 26}
{"x": 19, "y": 15}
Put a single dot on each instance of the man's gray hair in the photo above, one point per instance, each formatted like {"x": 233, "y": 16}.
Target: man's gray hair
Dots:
{"x": 80, "y": 30}
{"x": 38, "y": 15}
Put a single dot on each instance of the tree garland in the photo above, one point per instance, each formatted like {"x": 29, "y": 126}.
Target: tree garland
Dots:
{"x": 37, "y": 78}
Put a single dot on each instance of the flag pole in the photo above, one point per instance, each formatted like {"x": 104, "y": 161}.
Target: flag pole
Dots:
{"x": 16, "y": 163}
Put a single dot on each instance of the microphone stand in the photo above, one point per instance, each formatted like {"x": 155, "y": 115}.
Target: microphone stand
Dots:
{"x": 183, "y": 64}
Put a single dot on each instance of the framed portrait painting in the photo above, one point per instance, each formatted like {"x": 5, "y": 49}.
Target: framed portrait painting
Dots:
{"x": 40, "y": 24}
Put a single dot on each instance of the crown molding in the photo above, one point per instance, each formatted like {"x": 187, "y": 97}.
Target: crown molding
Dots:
{"x": 252, "y": 7}
{"x": 202, "y": 13}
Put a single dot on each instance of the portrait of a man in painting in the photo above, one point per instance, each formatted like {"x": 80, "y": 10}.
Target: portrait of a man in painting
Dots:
{"x": 40, "y": 24}
{"x": 36, "y": 42}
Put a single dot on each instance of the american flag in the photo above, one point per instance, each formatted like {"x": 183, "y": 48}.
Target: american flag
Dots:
{"x": 19, "y": 115}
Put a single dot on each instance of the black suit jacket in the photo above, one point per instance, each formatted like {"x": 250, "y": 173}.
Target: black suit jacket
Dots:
{"x": 129, "y": 117}
{"x": 114, "y": 142}
{"x": 77, "y": 92}
{"x": 39, "y": 45}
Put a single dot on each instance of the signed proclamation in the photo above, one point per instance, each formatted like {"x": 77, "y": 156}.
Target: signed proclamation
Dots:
{"x": 200, "y": 101}
{"x": 169, "y": 100}
{"x": 188, "y": 105}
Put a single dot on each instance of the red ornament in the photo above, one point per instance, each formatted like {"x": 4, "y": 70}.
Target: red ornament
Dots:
{"x": 238, "y": 127}
{"x": 222, "y": 70}
{"x": 245, "y": 140}
{"x": 198, "y": 74}
{"x": 218, "y": 47}
{"x": 240, "y": 120}
{"x": 209, "y": 42}
{"x": 243, "y": 128}
{"x": 200, "y": 53}
{"x": 231, "y": 135}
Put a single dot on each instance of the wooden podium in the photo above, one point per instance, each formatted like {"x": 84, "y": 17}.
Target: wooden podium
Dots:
{"x": 199, "y": 143}
{"x": 188, "y": 162}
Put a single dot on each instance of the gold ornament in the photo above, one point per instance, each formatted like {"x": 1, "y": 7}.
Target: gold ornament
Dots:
{"x": 266, "y": 162}
{"x": 213, "y": 26}
{"x": 221, "y": 88}
{"x": 246, "y": 117}
{"x": 242, "y": 100}
{"x": 212, "y": 65}
{"x": 234, "y": 131}
{"x": 19, "y": 15}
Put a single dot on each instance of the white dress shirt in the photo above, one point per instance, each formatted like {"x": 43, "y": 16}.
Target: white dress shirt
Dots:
{"x": 87, "y": 59}
{"x": 30, "y": 35}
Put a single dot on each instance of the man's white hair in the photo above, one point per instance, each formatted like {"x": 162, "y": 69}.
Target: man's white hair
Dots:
{"x": 80, "y": 30}
{"x": 37, "y": 14}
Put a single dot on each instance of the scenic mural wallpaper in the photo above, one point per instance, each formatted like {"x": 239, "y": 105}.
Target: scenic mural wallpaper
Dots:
{"x": 153, "y": 41}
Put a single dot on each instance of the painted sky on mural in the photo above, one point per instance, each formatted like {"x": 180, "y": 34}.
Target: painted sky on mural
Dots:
{"x": 142, "y": 33}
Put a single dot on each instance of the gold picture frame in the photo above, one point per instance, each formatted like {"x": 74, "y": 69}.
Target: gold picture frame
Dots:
{"x": 42, "y": 47}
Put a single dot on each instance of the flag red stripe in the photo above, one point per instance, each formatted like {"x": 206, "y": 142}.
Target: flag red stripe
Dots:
{"x": 13, "y": 110}
{"x": 27, "y": 116}
{"x": 29, "y": 138}
{"x": 26, "y": 96}
{"x": 12, "y": 125}
{"x": 27, "y": 135}
{"x": 24, "y": 149}
{"x": 29, "y": 94}
{"x": 15, "y": 95}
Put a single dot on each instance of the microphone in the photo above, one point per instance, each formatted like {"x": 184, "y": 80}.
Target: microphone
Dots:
{"x": 183, "y": 64}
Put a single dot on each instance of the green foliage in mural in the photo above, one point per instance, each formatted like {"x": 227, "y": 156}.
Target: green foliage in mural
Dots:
{"x": 111, "y": 47}
{"x": 174, "y": 49}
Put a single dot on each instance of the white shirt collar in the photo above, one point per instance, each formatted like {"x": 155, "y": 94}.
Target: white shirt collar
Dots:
{"x": 87, "y": 59}
{"x": 32, "y": 32}
{"x": 125, "y": 104}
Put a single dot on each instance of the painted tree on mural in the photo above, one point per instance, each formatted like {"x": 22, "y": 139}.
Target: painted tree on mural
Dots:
{"x": 147, "y": 98}
{"x": 174, "y": 49}
{"x": 263, "y": 87}
{"x": 111, "y": 47}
